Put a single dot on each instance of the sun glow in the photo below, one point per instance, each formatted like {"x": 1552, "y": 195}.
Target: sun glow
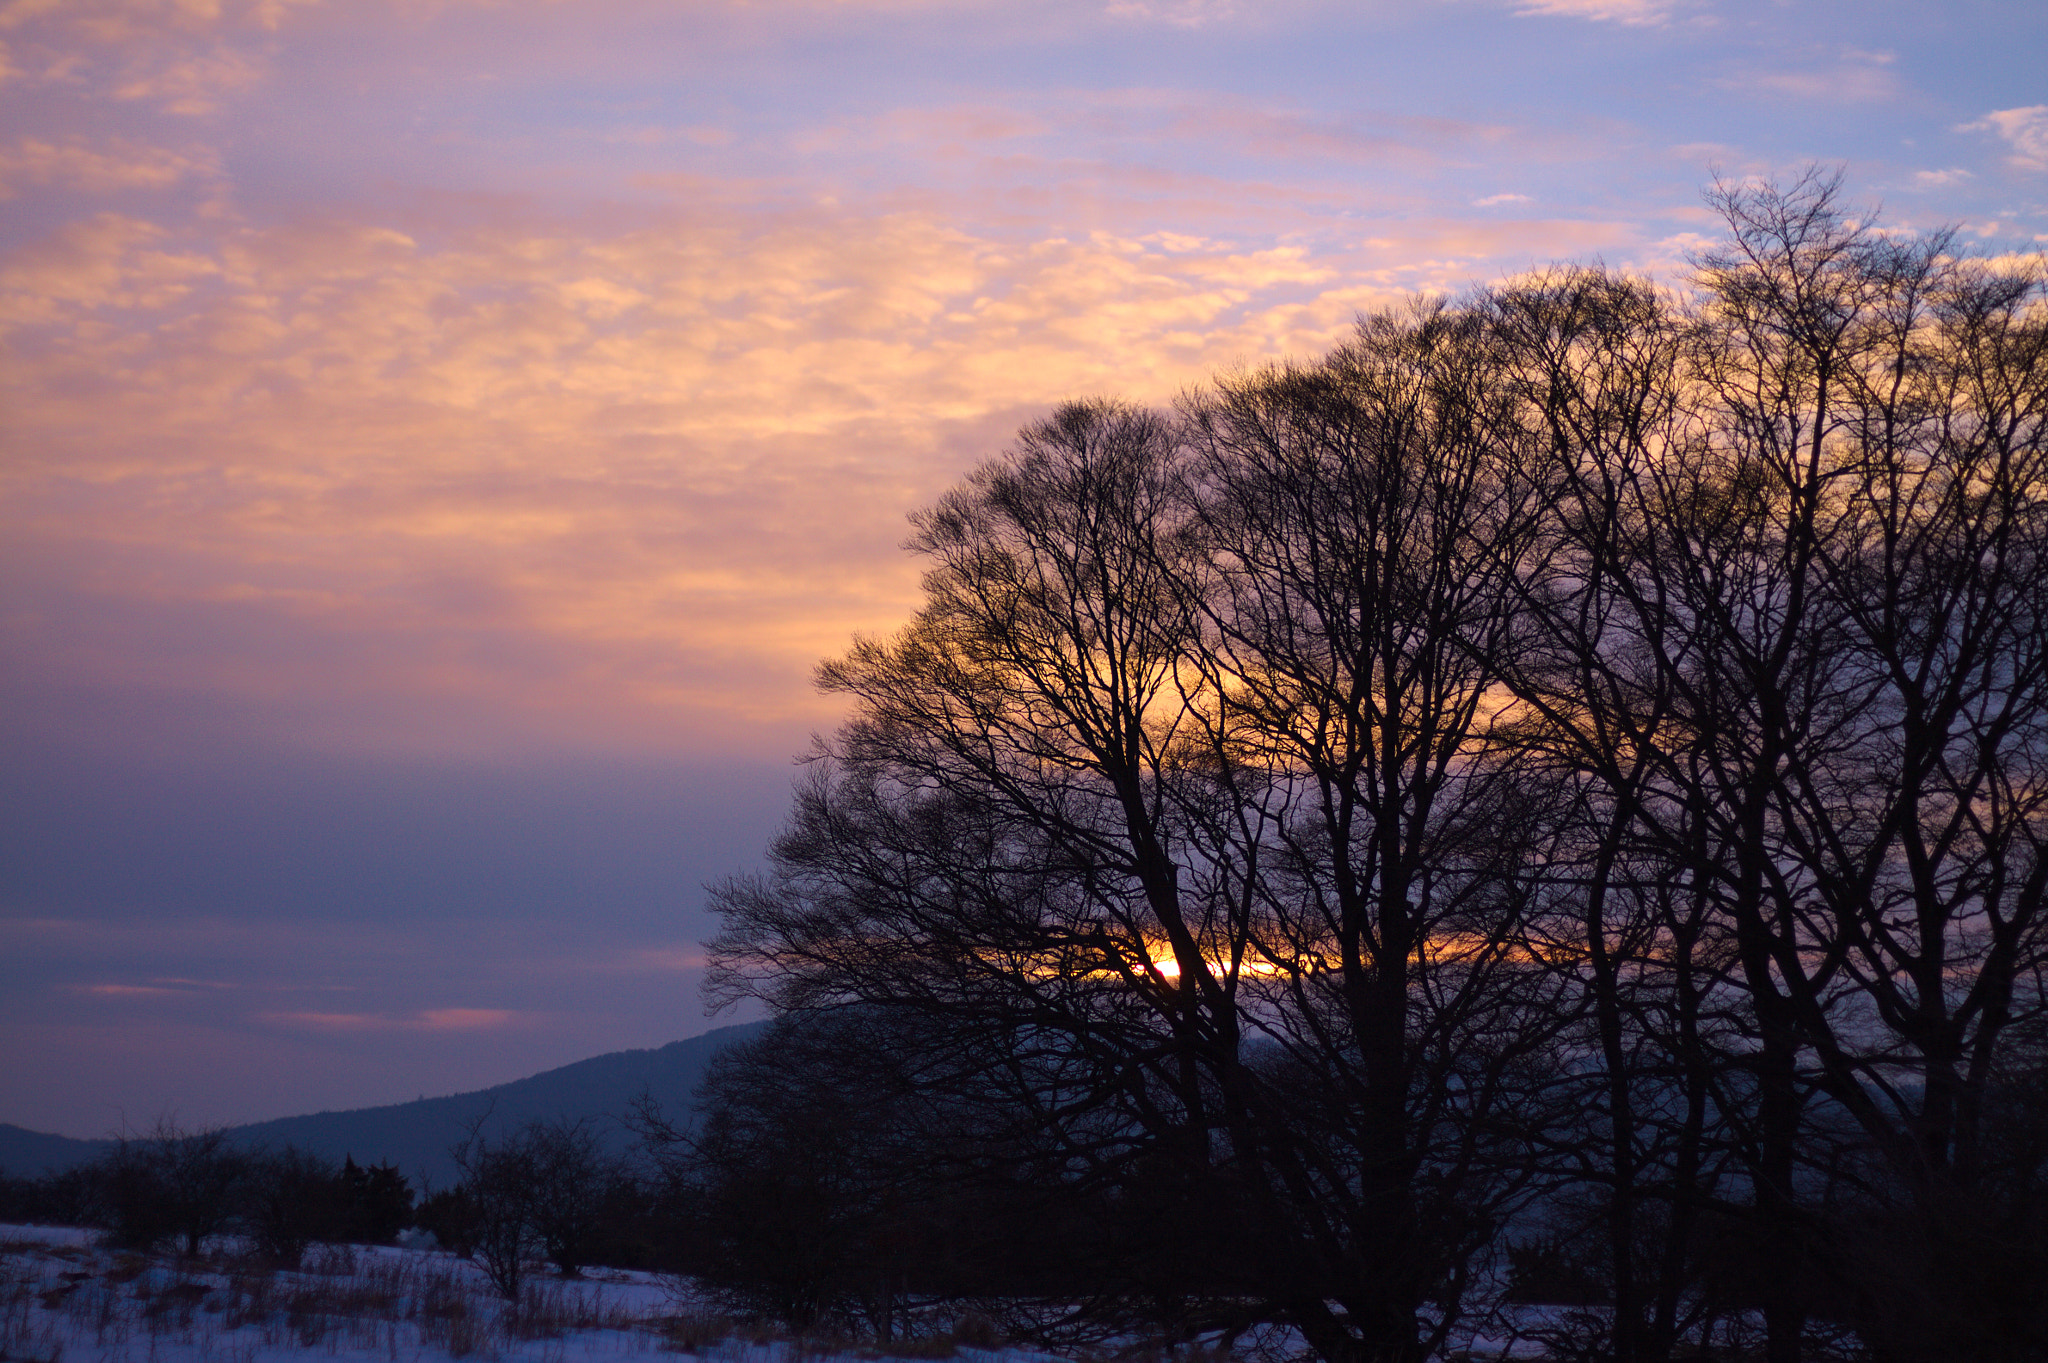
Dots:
{"x": 1162, "y": 962}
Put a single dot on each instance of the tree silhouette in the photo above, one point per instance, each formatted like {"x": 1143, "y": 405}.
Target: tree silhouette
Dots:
{"x": 1571, "y": 758}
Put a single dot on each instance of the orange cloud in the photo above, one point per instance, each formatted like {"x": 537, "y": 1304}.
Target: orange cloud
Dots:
{"x": 75, "y": 163}
{"x": 629, "y": 484}
{"x": 181, "y": 57}
{"x": 108, "y": 261}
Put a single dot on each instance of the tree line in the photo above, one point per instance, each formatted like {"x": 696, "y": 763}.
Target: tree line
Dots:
{"x": 1555, "y": 785}
{"x": 545, "y": 1195}
{"x": 169, "y": 1188}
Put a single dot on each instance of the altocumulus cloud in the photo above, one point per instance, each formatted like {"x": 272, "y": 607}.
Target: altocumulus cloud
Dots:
{"x": 615, "y": 479}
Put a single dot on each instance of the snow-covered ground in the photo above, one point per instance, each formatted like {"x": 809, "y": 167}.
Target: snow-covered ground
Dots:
{"x": 64, "y": 1300}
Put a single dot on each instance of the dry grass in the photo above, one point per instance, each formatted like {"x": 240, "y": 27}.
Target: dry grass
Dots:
{"x": 399, "y": 1307}
{"x": 692, "y": 1332}
{"x": 231, "y": 1307}
{"x": 28, "y": 1333}
{"x": 931, "y": 1339}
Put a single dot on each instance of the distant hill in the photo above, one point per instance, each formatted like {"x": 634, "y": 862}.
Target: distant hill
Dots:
{"x": 415, "y": 1136}
{"x": 24, "y": 1152}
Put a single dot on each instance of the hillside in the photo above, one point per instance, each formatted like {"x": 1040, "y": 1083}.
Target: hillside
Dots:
{"x": 416, "y": 1135}
{"x": 24, "y": 1152}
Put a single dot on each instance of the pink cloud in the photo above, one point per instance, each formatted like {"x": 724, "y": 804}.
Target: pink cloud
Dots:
{"x": 465, "y": 1019}
{"x": 655, "y": 135}
{"x": 431, "y": 1020}
{"x": 1175, "y": 13}
{"x": 662, "y": 960}
{"x": 191, "y": 84}
{"x": 2025, "y": 131}
{"x": 979, "y": 123}
{"x": 1855, "y": 77}
{"x": 1632, "y": 13}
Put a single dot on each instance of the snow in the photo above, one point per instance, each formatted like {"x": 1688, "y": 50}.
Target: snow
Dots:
{"x": 65, "y": 1300}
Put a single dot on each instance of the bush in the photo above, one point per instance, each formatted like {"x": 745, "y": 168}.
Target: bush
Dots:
{"x": 168, "y": 1185}
{"x": 451, "y": 1218}
{"x": 291, "y": 1198}
{"x": 376, "y": 1203}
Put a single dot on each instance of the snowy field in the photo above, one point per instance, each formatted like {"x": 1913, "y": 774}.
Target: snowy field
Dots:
{"x": 64, "y": 1300}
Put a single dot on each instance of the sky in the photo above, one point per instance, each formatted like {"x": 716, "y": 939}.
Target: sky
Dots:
{"x": 439, "y": 438}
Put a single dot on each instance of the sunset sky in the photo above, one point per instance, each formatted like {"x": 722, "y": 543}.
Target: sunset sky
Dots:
{"x": 439, "y": 437}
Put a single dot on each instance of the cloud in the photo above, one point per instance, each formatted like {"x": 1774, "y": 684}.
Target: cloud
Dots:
{"x": 1175, "y": 13}
{"x": 656, "y": 135}
{"x": 182, "y": 57}
{"x": 1496, "y": 200}
{"x": 661, "y": 960}
{"x": 1703, "y": 154}
{"x": 2025, "y": 131}
{"x": 429, "y": 1020}
{"x": 1940, "y": 179}
{"x": 1855, "y": 78}
{"x": 1287, "y": 133}
{"x": 401, "y": 485}
{"x": 1141, "y": 143}
{"x": 110, "y": 260}
{"x": 465, "y": 1019}
{"x": 170, "y": 988}
{"x": 116, "y": 22}
{"x": 191, "y": 84}
{"x": 975, "y": 123}
{"x": 1632, "y": 13}
{"x": 112, "y": 166}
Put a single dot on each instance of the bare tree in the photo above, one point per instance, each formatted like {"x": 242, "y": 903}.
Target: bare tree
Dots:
{"x": 1360, "y": 522}
{"x": 1580, "y": 742}
{"x": 1178, "y": 797}
{"x": 498, "y": 1197}
{"x": 170, "y": 1184}
{"x": 290, "y": 1199}
{"x": 1794, "y": 628}
{"x": 573, "y": 1178}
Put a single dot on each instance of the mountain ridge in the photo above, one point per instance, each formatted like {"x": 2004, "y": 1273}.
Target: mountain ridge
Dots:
{"x": 416, "y": 1135}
